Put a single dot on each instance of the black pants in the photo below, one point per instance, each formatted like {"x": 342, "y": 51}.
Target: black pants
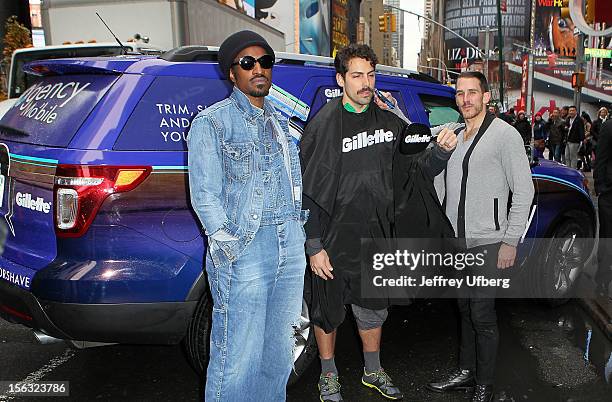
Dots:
{"x": 479, "y": 333}
{"x": 604, "y": 251}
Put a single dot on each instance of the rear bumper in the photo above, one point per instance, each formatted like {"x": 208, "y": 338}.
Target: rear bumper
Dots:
{"x": 140, "y": 323}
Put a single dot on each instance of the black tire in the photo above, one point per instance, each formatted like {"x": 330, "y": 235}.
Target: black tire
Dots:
{"x": 560, "y": 263}
{"x": 306, "y": 344}
{"x": 196, "y": 341}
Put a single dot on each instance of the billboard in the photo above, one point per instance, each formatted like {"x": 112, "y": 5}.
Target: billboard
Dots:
{"x": 314, "y": 21}
{"x": 246, "y": 7}
{"x": 556, "y": 44}
{"x": 339, "y": 25}
{"x": 467, "y": 17}
{"x": 554, "y": 33}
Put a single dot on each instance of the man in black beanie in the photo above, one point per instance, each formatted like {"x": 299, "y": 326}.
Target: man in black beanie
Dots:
{"x": 245, "y": 184}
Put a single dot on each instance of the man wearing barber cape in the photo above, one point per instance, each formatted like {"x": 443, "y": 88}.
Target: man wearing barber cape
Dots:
{"x": 349, "y": 189}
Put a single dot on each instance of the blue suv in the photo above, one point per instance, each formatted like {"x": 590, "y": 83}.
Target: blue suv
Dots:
{"x": 102, "y": 245}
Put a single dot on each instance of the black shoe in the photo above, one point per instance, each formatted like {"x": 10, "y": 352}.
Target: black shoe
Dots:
{"x": 459, "y": 379}
{"x": 482, "y": 393}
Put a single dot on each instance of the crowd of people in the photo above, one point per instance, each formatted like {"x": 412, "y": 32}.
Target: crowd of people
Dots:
{"x": 570, "y": 139}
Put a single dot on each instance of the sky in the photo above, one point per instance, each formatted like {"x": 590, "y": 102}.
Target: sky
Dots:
{"x": 412, "y": 37}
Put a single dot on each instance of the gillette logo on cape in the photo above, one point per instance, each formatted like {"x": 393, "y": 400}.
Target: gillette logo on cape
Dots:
{"x": 363, "y": 140}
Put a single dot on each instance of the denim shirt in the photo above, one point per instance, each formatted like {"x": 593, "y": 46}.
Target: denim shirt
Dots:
{"x": 277, "y": 204}
{"x": 226, "y": 177}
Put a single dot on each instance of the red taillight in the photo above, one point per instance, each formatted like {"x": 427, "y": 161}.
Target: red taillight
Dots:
{"x": 81, "y": 189}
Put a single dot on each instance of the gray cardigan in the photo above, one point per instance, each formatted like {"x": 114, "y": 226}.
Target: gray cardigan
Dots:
{"x": 480, "y": 175}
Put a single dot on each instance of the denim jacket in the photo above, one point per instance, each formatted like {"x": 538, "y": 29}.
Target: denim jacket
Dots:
{"x": 225, "y": 176}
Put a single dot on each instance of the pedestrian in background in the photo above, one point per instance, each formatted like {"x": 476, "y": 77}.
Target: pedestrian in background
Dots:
{"x": 540, "y": 134}
{"x": 602, "y": 176}
{"x": 584, "y": 153}
{"x": 510, "y": 117}
{"x": 245, "y": 184}
{"x": 523, "y": 126}
{"x": 602, "y": 117}
{"x": 575, "y": 136}
{"x": 488, "y": 151}
{"x": 588, "y": 123}
{"x": 556, "y": 135}
{"x": 564, "y": 115}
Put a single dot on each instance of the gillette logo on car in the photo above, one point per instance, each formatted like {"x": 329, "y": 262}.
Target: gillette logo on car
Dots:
{"x": 25, "y": 200}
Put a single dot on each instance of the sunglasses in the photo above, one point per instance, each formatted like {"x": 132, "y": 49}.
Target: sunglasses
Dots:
{"x": 248, "y": 62}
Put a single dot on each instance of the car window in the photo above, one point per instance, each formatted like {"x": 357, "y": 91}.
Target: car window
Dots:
{"x": 20, "y": 81}
{"x": 440, "y": 109}
{"x": 161, "y": 120}
{"x": 51, "y": 111}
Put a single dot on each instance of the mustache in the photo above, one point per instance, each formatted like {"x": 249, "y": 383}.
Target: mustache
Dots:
{"x": 259, "y": 76}
{"x": 366, "y": 89}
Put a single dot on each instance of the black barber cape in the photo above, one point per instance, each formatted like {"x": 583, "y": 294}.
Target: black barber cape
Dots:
{"x": 356, "y": 188}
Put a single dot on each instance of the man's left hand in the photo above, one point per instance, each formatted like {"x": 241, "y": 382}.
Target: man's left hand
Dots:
{"x": 506, "y": 256}
{"x": 447, "y": 139}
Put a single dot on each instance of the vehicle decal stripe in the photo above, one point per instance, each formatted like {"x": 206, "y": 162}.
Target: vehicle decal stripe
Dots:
{"x": 558, "y": 180}
{"x": 34, "y": 159}
{"x": 170, "y": 168}
{"x": 32, "y": 163}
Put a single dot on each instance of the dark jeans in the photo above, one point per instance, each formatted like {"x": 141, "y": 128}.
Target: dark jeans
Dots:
{"x": 604, "y": 250}
{"x": 555, "y": 152}
{"x": 479, "y": 333}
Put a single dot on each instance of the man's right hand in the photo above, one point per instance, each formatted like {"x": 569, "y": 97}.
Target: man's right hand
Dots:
{"x": 320, "y": 265}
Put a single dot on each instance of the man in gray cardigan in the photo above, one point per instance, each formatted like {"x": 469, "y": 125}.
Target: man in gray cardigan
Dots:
{"x": 488, "y": 163}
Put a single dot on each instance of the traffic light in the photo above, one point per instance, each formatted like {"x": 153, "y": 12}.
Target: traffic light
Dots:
{"x": 382, "y": 23}
{"x": 393, "y": 22}
{"x": 578, "y": 79}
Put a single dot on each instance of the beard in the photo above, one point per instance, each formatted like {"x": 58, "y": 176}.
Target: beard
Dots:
{"x": 260, "y": 91}
{"x": 359, "y": 99}
{"x": 473, "y": 112}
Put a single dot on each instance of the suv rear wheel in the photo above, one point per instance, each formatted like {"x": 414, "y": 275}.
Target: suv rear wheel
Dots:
{"x": 196, "y": 341}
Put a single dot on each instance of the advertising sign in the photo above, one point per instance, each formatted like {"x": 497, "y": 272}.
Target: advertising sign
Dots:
{"x": 314, "y": 27}
{"x": 339, "y": 26}
{"x": 553, "y": 32}
{"x": 467, "y": 17}
{"x": 246, "y": 7}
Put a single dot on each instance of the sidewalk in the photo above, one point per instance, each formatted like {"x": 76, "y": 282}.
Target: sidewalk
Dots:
{"x": 600, "y": 308}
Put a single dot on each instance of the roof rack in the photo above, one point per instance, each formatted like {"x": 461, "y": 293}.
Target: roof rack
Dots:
{"x": 209, "y": 53}
{"x": 191, "y": 53}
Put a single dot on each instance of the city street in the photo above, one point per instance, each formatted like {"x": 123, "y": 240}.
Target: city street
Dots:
{"x": 545, "y": 355}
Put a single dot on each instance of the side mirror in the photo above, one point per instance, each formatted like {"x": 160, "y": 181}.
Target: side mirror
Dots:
{"x": 533, "y": 160}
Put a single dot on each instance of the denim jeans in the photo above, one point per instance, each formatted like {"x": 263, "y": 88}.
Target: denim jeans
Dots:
{"x": 555, "y": 152}
{"x": 257, "y": 300}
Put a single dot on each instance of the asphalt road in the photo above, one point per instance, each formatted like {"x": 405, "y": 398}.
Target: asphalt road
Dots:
{"x": 545, "y": 355}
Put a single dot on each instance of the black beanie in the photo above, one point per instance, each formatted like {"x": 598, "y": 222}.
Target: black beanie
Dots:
{"x": 235, "y": 43}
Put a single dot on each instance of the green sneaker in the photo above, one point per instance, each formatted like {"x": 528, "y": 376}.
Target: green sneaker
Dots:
{"x": 329, "y": 388}
{"x": 380, "y": 381}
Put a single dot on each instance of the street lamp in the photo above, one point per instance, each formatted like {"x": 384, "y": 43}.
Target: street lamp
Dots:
{"x": 440, "y": 62}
